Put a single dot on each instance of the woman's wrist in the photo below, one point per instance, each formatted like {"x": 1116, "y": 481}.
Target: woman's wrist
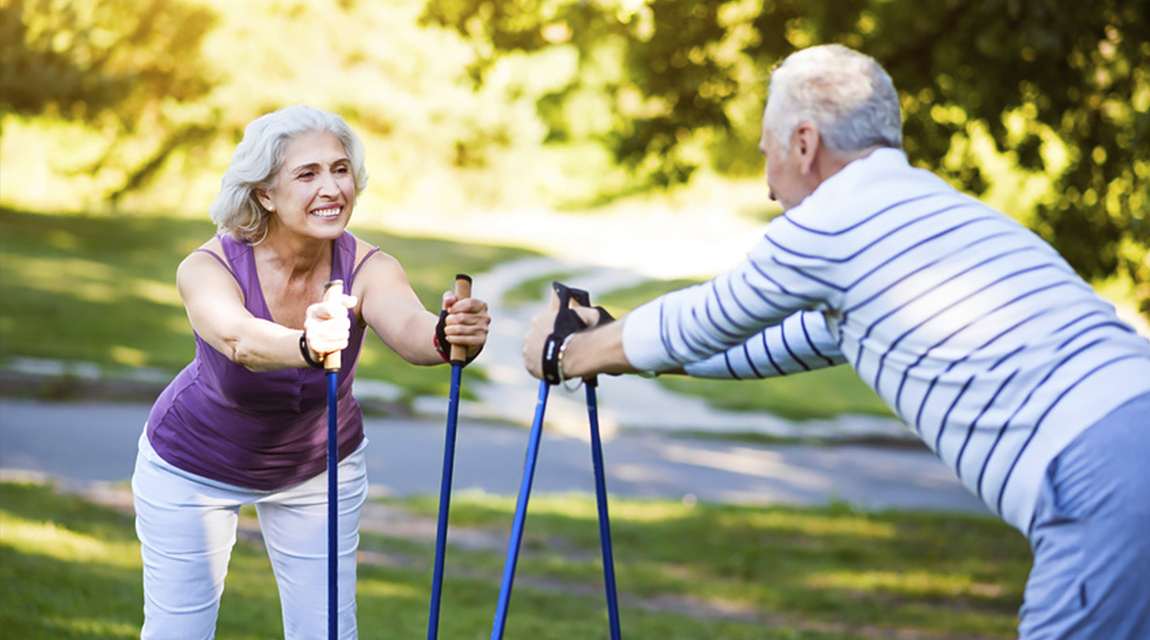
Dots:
{"x": 312, "y": 359}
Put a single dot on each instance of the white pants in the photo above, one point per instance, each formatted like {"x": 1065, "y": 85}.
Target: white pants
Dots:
{"x": 187, "y": 528}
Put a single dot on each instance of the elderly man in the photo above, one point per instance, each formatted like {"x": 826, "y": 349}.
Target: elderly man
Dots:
{"x": 974, "y": 331}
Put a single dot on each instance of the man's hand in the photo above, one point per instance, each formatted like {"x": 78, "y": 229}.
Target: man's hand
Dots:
{"x": 543, "y": 325}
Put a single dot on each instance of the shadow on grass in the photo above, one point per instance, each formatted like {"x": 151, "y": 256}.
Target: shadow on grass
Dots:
{"x": 833, "y": 569}
{"x": 69, "y": 569}
{"x": 66, "y": 570}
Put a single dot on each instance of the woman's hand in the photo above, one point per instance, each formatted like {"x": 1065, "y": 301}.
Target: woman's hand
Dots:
{"x": 466, "y": 323}
{"x": 328, "y": 326}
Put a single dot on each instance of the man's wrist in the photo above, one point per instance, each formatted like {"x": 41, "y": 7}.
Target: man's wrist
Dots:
{"x": 596, "y": 351}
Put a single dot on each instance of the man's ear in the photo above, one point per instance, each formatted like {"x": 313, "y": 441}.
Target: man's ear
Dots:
{"x": 806, "y": 144}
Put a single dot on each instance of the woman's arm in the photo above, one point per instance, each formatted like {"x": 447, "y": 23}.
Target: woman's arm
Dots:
{"x": 215, "y": 306}
{"x": 393, "y": 311}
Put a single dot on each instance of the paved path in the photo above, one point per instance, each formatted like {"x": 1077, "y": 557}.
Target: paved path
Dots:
{"x": 85, "y": 443}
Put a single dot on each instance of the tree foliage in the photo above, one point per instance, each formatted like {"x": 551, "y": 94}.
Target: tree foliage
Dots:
{"x": 118, "y": 65}
{"x": 489, "y": 91}
{"x": 197, "y": 74}
{"x": 1062, "y": 89}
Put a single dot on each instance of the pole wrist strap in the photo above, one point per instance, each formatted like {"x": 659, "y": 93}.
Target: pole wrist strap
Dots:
{"x": 567, "y": 323}
{"x": 443, "y": 345}
{"x": 306, "y": 351}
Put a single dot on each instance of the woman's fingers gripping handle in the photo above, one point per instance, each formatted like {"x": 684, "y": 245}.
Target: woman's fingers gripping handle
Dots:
{"x": 328, "y": 326}
{"x": 461, "y": 330}
{"x": 462, "y": 290}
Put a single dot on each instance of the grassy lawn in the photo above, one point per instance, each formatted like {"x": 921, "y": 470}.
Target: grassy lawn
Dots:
{"x": 102, "y": 290}
{"x": 70, "y": 569}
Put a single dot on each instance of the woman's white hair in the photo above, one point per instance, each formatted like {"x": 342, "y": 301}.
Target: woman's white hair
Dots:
{"x": 258, "y": 158}
{"x": 846, "y": 94}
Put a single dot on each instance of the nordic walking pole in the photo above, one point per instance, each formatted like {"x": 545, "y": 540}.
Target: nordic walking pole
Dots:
{"x": 458, "y": 358}
{"x": 601, "y": 500}
{"x": 520, "y": 515}
{"x": 331, "y": 365}
{"x": 563, "y": 296}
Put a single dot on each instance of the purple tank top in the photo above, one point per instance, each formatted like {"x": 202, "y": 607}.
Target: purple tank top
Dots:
{"x": 265, "y": 430}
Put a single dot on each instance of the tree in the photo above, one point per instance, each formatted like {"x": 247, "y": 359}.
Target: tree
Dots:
{"x": 125, "y": 66}
{"x": 1063, "y": 89}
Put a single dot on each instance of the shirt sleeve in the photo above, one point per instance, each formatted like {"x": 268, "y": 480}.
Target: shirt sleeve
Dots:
{"x": 802, "y": 342}
{"x": 778, "y": 278}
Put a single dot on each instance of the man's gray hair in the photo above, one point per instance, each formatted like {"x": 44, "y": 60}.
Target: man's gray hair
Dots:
{"x": 258, "y": 158}
{"x": 846, "y": 94}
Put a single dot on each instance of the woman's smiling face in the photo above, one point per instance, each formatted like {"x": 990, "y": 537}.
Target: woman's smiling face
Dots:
{"x": 314, "y": 190}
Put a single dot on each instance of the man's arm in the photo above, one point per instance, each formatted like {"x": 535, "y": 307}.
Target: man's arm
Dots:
{"x": 590, "y": 352}
{"x": 779, "y": 278}
{"x": 801, "y": 342}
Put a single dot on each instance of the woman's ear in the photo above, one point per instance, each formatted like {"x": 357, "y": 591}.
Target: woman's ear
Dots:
{"x": 265, "y": 200}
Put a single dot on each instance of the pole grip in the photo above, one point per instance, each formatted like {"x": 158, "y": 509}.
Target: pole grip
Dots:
{"x": 462, "y": 290}
{"x": 331, "y": 292}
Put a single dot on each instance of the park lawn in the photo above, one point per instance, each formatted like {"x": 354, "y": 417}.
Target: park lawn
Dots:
{"x": 101, "y": 290}
{"x": 71, "y": 569}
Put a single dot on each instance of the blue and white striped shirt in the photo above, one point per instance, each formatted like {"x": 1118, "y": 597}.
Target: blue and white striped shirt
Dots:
{"x": 975, "y": 331}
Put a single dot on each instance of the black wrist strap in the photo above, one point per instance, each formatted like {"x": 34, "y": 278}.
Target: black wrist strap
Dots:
{"x": 306, "y": 351}
{"x": 443, "y": 345}
{"x": 552, "y": 366}
{"x": 567, "y": 322}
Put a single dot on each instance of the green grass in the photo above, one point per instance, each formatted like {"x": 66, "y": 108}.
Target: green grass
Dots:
{"x": 101, "y": 289}
{"x": 536, "y": 290}
{"x": 819, "y": 394}
{"x": 69, "y": 569}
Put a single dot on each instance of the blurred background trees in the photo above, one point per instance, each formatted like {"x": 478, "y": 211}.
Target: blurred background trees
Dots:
{"x": 126, "y": 70}
{"x": 1041, "y": 106}
{"x": 1061, "y": 90}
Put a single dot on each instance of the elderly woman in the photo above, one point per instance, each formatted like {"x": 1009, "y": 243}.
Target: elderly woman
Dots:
{"x": 245, "y": 422}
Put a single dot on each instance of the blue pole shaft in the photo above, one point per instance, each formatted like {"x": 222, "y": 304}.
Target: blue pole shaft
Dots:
{"x": 332, "y": 507}
{"x": 604, "y": 520}
{"x": 444, "y": 502}
{"x": 520, "y": 515}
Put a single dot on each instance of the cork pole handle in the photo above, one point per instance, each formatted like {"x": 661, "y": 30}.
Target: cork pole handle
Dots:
{"x": 332, "y": 292}
{"x": 462, "y": 290}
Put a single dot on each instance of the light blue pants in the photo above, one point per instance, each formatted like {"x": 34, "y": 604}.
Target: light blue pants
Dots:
{"x": 1091, "y": 536}
{"x": 187, "y": 528}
